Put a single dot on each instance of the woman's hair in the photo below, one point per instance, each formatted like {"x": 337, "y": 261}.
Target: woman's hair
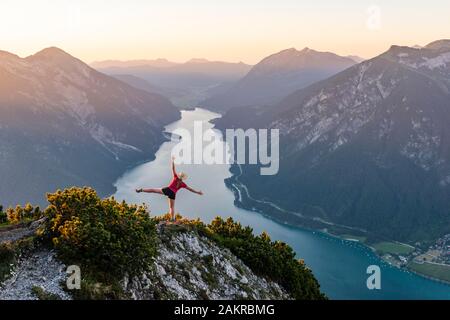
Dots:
{"x": 182, "y": 176}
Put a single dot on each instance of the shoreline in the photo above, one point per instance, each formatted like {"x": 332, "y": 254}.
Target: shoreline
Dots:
{"x": 313, "y": 224}
{"x": 239, "y": 189}
{"x": 428, "y": 277}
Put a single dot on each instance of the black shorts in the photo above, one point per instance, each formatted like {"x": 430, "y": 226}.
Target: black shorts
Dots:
{"x": 168, "y": 193}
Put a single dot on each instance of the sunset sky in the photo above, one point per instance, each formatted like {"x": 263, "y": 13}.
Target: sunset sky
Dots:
{"x": 231, "y": 30}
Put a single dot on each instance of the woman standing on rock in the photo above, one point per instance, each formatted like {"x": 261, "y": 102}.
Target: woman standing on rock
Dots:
{"x": 171, "y": 190}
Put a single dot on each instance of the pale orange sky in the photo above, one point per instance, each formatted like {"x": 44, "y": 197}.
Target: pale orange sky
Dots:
{"x": 229, "y": 30}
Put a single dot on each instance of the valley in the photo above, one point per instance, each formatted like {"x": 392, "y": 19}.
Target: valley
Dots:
{"x": 224, "y": 150}
{"x": 185, "y": 84}
{"x": 428, "y": 259}
{"x": 339, "y": 265}
{"x": 356, "y": 116}
{"x": 362, "y": 148}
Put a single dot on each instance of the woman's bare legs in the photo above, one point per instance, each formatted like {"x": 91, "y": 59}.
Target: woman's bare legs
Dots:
{"x": 159, "y": 191}
{"x": 172, "y": 208}
{"x": 152, "y": 190}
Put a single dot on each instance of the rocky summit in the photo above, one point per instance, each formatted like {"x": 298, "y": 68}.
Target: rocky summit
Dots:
{"x": 188, "y": 266}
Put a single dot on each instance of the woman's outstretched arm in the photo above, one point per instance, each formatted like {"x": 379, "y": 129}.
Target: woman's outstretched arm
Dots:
{"x": 174, "y": 172}
{"x": 194, "y": 191}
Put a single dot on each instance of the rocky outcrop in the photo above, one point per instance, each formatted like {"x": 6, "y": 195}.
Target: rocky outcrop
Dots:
{"x": 39, "y": 269}
{"x": 31, "y": 267}
{"x": 192, "y": 267}
{"x": 16, "y": 232}
{"x": 188, "y": 266}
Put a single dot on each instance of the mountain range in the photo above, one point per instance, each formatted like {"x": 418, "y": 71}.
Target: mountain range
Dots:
{"x": 276, "y": 76}
{"x": 368, "y": 147}
{"x": 63, "y": 123}
{"x": 157, "y": 63}
{"x": 185, "y": 84}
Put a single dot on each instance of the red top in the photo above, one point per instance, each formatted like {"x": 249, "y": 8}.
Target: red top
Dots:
{"x": 176, "y": 184}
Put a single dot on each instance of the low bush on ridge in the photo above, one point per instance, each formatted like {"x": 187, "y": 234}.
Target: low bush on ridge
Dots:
{"x": 19, "y": 214}
{"x": 3, "y": 216}
{"x": 273, "y": 260}
{"x": 104, "y": 235}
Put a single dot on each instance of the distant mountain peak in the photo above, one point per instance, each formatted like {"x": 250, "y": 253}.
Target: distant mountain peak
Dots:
{"x": 6, "y": 54}
{"x": 162, "y": 60}
{"x": 289, "y": 50}
{"x": 292, "y": 52}
{"x": 278, "y": 75}
{"x": 52, "y": 52}
{"x": 396, "y": 47}
{"x": 198, "y": 60}
{"x": 157, "y": 63}
{"x": 439, "y": 44}
{"x": 355, "y": 58}
{"x": 395, "y": 52}
{"x": 307, "y": 57}
{"x": 56, "y": 56}
{"x": 435, "y": 56}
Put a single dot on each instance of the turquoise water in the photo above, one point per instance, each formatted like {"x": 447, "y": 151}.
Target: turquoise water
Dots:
{"x": 339, "y": 265}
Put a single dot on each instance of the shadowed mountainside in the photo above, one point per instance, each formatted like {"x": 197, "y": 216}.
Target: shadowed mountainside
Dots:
{"x": 63, "y": 123}
{"x": 368, "y": 147}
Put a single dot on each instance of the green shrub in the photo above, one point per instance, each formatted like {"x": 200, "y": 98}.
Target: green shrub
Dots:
{"x": 93, "y": 289}
{"x": 22, "y": 214}
{"x": 14, "y": 215}
{"x": 273, "y": 260}
{"x": 3, "y": 216}
{"x": 41, "y": 294}
{"x": 7, "y": 259}
{"x": 105, "y": 236}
